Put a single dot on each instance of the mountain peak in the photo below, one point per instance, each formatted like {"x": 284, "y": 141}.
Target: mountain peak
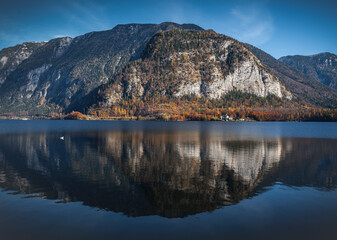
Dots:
{"x": 324, "y": 54}
{"x": 189, "y": 26}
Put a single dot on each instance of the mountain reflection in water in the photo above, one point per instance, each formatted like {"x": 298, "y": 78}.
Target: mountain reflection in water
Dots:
{"x": 166, "y": 173}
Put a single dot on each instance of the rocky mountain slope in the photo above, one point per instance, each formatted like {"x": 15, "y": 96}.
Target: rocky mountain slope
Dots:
{"x": 11, "y": 58}
{"x": 322, "y": 67}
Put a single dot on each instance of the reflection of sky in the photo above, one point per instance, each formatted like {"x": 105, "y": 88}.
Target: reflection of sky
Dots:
{"x": 281, "y": 213}
{"x": 278, "y": 27}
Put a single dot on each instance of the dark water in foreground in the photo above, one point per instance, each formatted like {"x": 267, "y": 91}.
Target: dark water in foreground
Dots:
{"x": 157, "y": 180}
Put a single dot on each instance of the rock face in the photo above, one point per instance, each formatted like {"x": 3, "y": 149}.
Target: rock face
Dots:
{"x": 322, "y": 67}
{"x": 200, "y": 63}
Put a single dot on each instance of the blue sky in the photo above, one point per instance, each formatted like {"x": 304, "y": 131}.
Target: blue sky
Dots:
{"x": 279, "y": 27}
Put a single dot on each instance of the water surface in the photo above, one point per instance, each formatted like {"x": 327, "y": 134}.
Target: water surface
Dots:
{"x": 183, "y": 180}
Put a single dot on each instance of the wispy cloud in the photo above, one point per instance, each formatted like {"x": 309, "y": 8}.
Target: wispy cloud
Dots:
{"x": 88, "y": 15}
{"x": 71, "y": 18}
{"x": 59, "y": 36}
{"x": 252, "y": 24}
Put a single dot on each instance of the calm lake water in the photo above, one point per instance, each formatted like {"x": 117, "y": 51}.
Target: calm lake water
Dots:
{"x": 175, "y": 180}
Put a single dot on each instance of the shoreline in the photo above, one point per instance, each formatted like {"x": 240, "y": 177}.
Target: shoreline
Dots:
{"x": 135, "y": 119}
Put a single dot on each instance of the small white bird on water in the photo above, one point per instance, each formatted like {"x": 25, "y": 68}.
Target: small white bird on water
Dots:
{"x": 62, "y": 138}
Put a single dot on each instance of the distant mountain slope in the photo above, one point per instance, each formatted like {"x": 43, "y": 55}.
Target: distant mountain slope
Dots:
{"x": 304, "y": 87}
{"x": 64, "y": 71}
{"x": 322, "y": 67}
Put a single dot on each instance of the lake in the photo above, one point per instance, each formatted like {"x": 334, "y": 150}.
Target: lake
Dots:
{"x": 167, "y": 180}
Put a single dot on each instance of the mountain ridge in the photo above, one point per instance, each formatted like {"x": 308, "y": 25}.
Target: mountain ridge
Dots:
{"x": 67, "y": 74}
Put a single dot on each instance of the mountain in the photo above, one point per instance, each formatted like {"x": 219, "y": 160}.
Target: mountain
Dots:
{"x": 149, "y": 63}
{"x": 322, "y": 67}
{"x": 64, "y": 71}
{"x": 307, "y": 89}
{"x": 177, "y": 64}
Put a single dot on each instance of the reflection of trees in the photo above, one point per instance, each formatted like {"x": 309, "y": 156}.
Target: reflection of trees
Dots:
{"x": 166, "y": 173}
